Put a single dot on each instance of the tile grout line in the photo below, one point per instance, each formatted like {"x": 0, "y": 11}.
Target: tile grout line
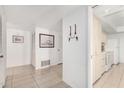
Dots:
{"x": 34, "y": 81}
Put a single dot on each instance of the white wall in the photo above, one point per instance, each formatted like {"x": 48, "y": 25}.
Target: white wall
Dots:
{"x": 56, "y": 52}
{"x": 120, "y": 38}
{"x": 41, "y": 54}
{"x": 18, "y": 53}
{"x": 75, "y": 54}
{"x": 52, "y": 54}
{"x": 33, "y": 61}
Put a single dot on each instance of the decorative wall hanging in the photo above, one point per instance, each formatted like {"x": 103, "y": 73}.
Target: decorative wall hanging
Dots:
{"x": 17, "y": 39}
{"x": 46, "y": 41}
{"x": 73, "y": 35}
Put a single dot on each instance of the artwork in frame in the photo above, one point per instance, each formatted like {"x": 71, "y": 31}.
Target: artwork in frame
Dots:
{"x": 17, "y": 39}
{"x": 46, "y": 41}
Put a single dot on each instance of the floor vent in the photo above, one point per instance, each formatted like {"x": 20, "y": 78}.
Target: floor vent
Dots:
{"x": 59, "y": 64}
{"x": 45, "y": 62}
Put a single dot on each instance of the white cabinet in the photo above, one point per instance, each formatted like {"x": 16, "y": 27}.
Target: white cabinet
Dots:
{"x": 98, "y": 66}
{"x": 98, "y": 57}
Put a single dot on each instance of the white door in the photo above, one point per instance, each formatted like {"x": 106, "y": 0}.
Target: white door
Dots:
{"x": 113, "y": 46}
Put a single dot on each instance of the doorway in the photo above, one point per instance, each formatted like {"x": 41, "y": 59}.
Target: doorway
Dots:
{"x": 113, "y": 46}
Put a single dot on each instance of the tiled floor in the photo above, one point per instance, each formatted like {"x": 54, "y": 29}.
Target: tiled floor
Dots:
{"x": 114, "y": 78}
{"x": 27, "y": 77}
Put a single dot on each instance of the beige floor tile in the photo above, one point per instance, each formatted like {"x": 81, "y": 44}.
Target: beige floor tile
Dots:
{"x": 21, "y": 77}
{"x": 23, "y": 82}
{"x": 28, "y": 77}
{"x": 112, "y": 79}
{"x": 60, "y": 85}
{"x": 10, "y": 72}
{"x": 121, "y": 85}
{"x": 8, "y": 83}
{"x": 103, "y": 78}
{"x": 48, "y": 82}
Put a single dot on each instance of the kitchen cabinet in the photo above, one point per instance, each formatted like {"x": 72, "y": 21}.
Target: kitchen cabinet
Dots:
{"x": 98, "y": 56}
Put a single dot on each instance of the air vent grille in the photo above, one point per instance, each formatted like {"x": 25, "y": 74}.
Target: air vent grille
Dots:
{"x": 45, "y": 62}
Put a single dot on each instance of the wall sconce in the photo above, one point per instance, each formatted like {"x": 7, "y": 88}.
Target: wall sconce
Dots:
{"x": 71, "y": 35}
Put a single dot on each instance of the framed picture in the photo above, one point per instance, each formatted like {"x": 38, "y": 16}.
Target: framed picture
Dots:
{"x": 46, "y": 41}
{"x": 17, "y": 39}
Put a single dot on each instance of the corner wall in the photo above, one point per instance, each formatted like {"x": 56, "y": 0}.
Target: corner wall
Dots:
{"x": 75, "y": 53}
{"x": 56, "y": 52}
{"x": 41, "y": 54}
{"x": 52, "y": 54}
{"x": 18, "y": 53}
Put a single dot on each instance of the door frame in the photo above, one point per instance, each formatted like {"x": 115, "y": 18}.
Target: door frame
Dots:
{"x": 90, "y": 30}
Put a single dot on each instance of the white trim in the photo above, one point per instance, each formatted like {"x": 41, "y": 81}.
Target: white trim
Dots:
{"x": 90, "y": 29}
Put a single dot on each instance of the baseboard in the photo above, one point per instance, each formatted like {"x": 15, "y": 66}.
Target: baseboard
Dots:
{"x": 56, "y": 64}
{"x": 99, "y": 77}
{"x": 18, "y": 65}
{"x": 48, "y": 66}
{"x": 59, "y": 63}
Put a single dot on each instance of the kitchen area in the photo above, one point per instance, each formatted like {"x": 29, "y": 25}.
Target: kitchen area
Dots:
{"x": 104, "y": 50}
{"x": 107, "y": 46}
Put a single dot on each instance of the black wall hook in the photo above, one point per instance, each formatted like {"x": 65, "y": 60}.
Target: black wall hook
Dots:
{"x": 71, "y": 34}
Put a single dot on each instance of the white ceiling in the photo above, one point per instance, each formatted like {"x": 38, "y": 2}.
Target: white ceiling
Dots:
{"x": 28, "y": 16}
{"x": 112, "y": 17}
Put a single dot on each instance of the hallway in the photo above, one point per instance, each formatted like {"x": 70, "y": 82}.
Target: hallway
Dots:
{"x": 35, "y": 37}
{"x": 114, "y": 78}
{"x": 27, "y": 77}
